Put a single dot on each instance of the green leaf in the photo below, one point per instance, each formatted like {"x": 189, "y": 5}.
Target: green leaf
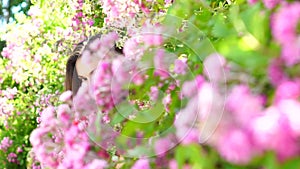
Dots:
{"x": 292, "y": 164}
{"x": 220, "y": 28}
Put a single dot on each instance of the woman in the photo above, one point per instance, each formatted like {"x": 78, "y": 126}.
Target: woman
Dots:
{"x": 78, "y": 71}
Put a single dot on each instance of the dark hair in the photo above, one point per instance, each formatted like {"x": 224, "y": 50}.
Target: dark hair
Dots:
{"x": 72, "y": 81}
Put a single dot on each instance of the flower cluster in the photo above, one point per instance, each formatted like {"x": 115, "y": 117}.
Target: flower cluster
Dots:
{"x": 61, "y": 140}
{"x": 285, "y": 29}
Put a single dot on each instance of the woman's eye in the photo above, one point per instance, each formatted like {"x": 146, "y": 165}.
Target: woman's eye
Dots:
{"x": 83, "y": 78}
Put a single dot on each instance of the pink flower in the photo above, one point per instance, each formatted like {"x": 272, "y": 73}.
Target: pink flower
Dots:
{"x": 152, "y": 35}
{"x": 190, "y": 88}
{"x": 120, "y": 69}
{"x": 97, "y": 164}
{"x": 10, "y": 93}
{"x": 271, "y": 3}
{"x": 173, "y": 165}
{"x": 180, "y": 66}
{"x": 83, "y": 101}
{"x": 243, "y": 105}
{"x": 19, "y": 150}
{"x": 5, "y": 144}
{"x": 192, "y": 136}
{"x": 276, "y": 73}
{"x": 287, "y": 90}
{"x": 141, "y": 164}
{"x": 47, "y": 116}
{"x": 252, "y": 1}
{"x": 12, "y": 157}
{"x": 154, "y": 92}
{"x": 64, "y": 113}
{"x": 284, "y": 29}
{"x": 91, "y": 22}
{"x": 162, "y": 146}
{"x": 132, "y": 50}
{"x": 235, "y": 146}
{"x": 272, "y": 132}
{"x": 291, "y": 108}
{"x": 65, "y": 96}
{"x": 161, "y": 67}
{"x": 214, "y": 68}
{"x": 167, "y": 101}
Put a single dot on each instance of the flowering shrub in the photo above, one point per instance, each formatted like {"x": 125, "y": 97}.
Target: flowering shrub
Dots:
{"x": 205, "y": 85}
{"x": 36, "y": 50}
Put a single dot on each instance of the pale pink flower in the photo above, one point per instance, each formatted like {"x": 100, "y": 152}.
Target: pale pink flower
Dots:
{"x": 97, "y": 164}
{"x": 235, "y": 146}
{"x": 152, "y": 34}
{"x": 162, "y": 146}
{"x": 5, "y": 143}
{"x": 167, "y": 100}
{"x": 65, "y": 96}
{"x": 243, "y": 105}
{"x": 141, "y": 164}
{"x": 190, "y": 88}
{"x": 180, "y": 66}
{"x": 64, "y": 114}
{"x": 192, "y": 136}
{"x": 272, "y": 132}
{"x": 132, "y": 50}
{"x": 291, "y": 108}
{"x": 120, "y": 69}
{"x": 154, "y": 93}
{"x": 214, "y": 68}
{"x": 161, "y": 67}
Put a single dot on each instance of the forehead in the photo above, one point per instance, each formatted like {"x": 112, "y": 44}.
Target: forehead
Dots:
{"x": 83, "y": 68}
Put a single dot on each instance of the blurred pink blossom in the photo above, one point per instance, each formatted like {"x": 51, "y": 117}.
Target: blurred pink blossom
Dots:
{"x": 141, "y": 164}
{"x": 180, "y": 66}
{"x": 284, "y": 29}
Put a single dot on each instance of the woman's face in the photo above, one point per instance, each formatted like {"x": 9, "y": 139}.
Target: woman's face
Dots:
{"x": 85, "y": 70}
